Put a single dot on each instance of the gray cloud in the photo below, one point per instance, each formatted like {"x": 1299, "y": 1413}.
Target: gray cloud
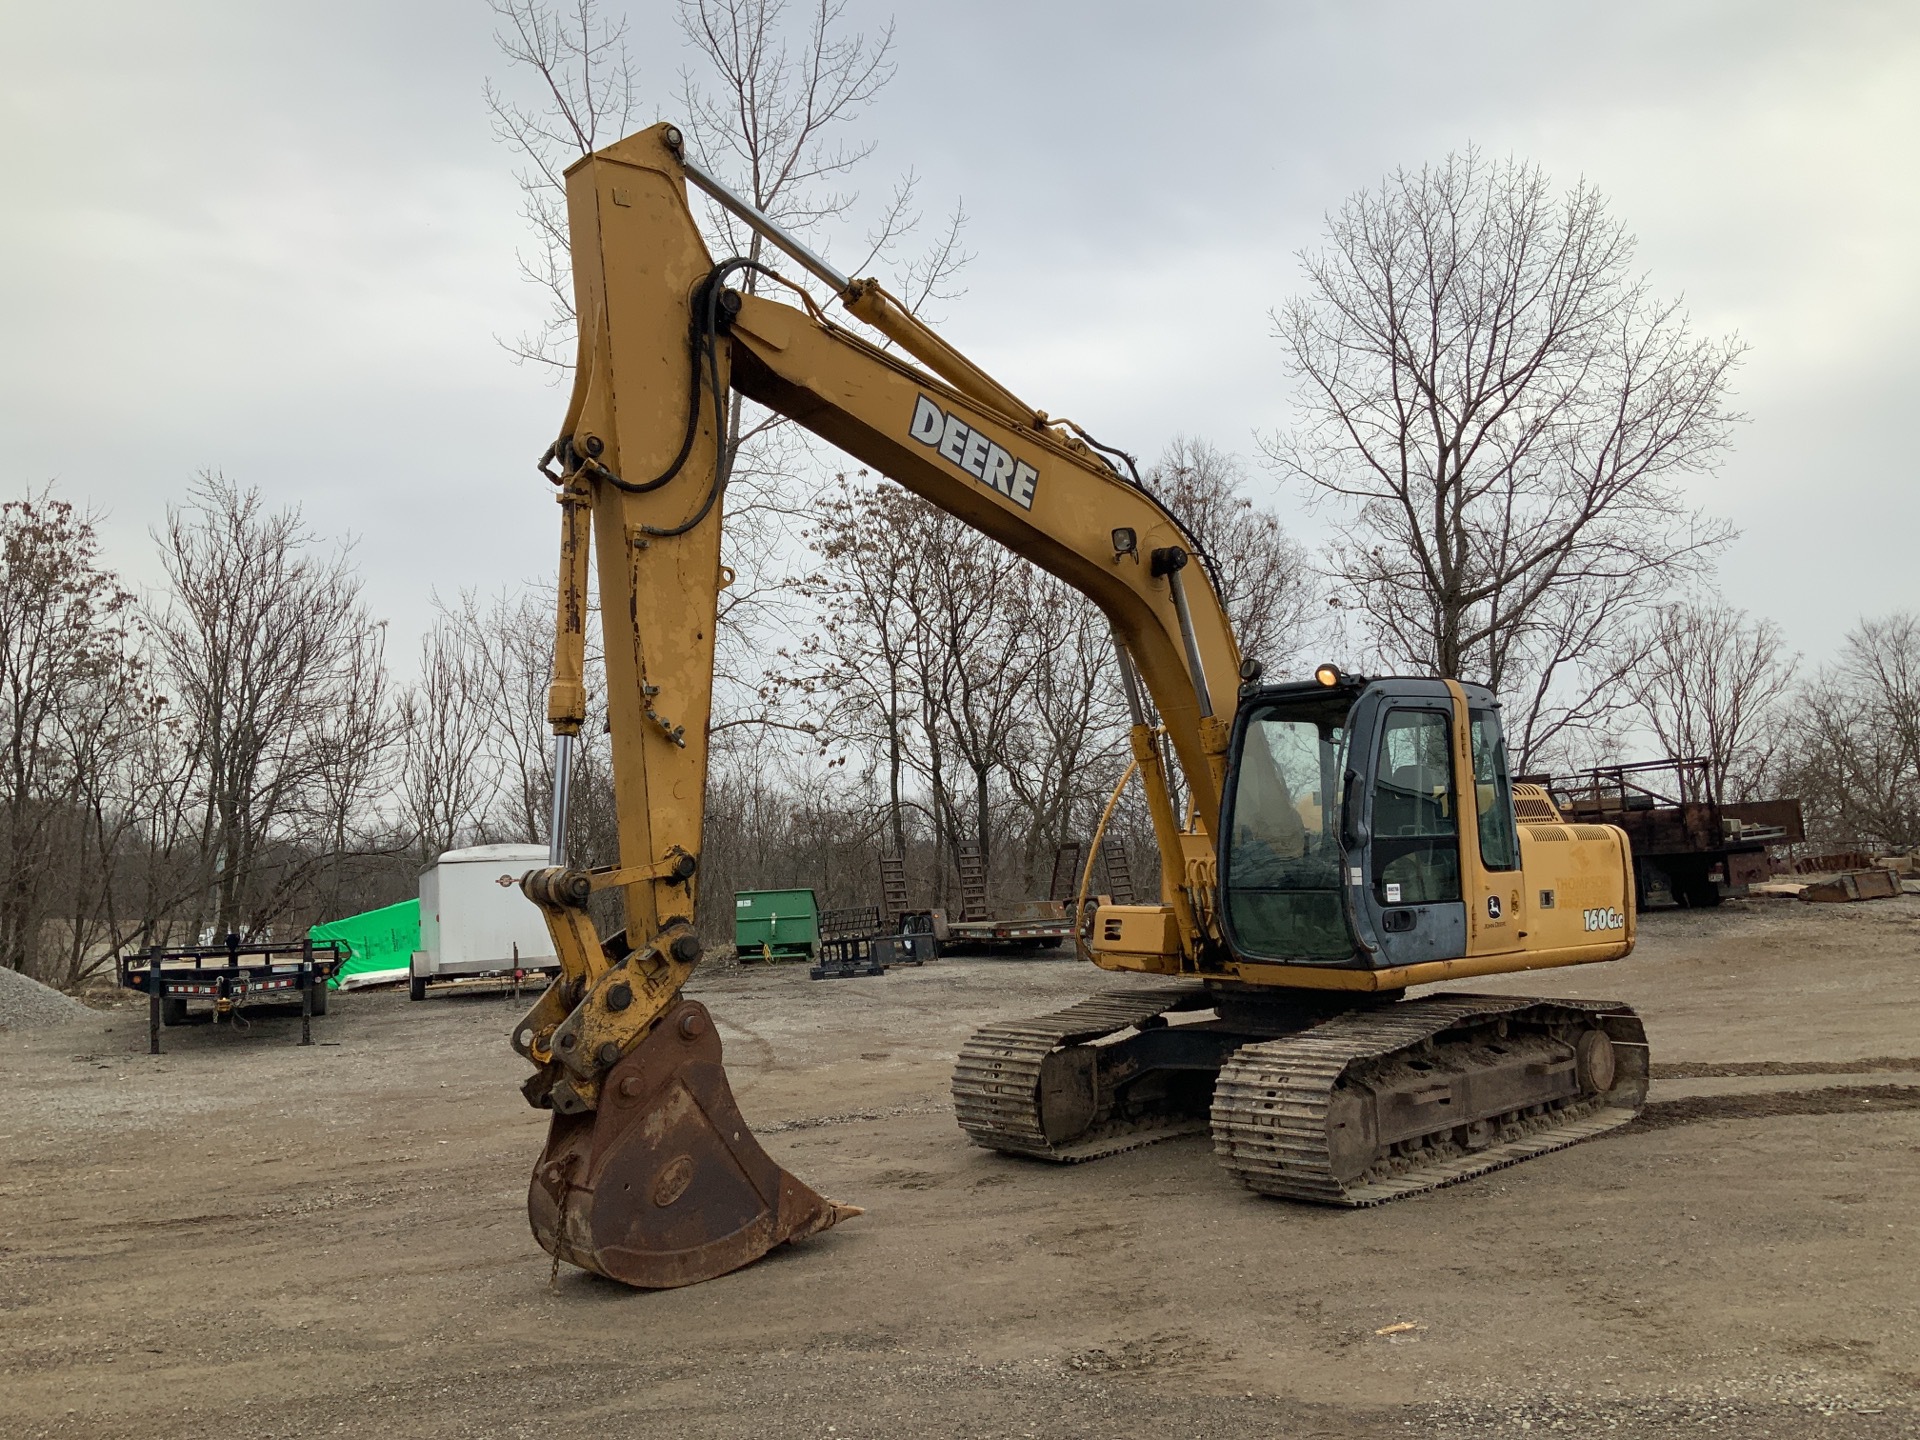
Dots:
{"x": 280, "y": 240}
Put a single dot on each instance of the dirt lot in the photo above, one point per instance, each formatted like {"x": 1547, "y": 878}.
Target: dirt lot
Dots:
{"x": 248, "y": 1238}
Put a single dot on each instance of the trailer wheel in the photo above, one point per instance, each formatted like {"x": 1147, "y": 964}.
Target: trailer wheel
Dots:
{"x": 173, "y": 1010}
{"x": 1693, "y": 888}
{"x": 1703, "y": 894}
{"x": 416, "y": 987}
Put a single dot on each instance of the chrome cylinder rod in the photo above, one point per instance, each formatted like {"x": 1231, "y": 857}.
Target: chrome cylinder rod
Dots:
{"x": 1129, "y": 682}
{"x": 764, "y": 225}
{"x": 1192, "y": 644}
{"x": 562, "y": 793}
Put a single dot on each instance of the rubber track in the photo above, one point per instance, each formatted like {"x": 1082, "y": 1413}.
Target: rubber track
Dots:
{"x": 996, "y": 1080}
{"x": 1270, "y": 1103}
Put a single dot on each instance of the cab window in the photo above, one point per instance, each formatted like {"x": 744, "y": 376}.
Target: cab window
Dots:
{"x": 1283, "y": 862}
{"x": 1416, "y": 839}
{"x": 1493, "y": 793}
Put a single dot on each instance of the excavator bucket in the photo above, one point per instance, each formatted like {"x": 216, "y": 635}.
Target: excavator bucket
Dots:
{"x": 664, "y": 1185}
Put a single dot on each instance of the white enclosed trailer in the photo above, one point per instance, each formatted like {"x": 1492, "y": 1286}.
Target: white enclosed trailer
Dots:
{"x": 471, "y": 924}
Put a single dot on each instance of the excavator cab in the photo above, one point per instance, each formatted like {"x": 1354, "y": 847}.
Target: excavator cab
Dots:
{"x": 1355, "y": 822}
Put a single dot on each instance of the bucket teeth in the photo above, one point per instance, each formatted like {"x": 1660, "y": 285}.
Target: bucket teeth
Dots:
{"x": 664, "y": 1185}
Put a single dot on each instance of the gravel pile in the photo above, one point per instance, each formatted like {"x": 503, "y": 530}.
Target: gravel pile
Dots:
{"x": 25, "y": 1003}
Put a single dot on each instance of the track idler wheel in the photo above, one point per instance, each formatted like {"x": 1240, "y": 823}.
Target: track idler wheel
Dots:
{"x": 664, "y": 1185}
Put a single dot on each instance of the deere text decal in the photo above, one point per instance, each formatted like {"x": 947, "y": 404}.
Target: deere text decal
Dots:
{"x": 968, "y": 450}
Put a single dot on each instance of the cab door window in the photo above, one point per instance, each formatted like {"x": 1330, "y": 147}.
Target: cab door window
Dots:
{"x": 1416, "y": 836}
{"x": 1493, "y": 793}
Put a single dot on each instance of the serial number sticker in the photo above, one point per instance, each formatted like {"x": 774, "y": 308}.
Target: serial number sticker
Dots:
{"x": 1605, "y": 919}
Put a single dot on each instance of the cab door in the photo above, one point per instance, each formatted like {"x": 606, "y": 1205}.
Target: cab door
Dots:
{"x": 1408, "y": 831}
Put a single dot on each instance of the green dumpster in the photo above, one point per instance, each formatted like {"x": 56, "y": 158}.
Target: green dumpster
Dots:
{"x": 775, "y": 924}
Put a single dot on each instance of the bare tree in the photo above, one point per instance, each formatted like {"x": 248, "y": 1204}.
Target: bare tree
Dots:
{"x": 356, "y": 738}
{"x": 506, "y": 645}
{"x": 1266, "y": 580}
{"x": 880, "y": 668}
{"x": 769, "y": 108}
{"x": 1854, "y": 741}
{"x": 584, "y": 83}
{"x": 69, "y": 683}
{"x": 273, "y": 666}
{"x": 446, "y": 784}
{"x": 773, "y": 106}
{"x": 860, "y": 663}
{"x": 978, "y": 693}
{"x": 115, "y": 865}
{"x": 1713, "y": 689}
{"x": 157, "y": 789}
{"x": 500, "y": 659}
{"x": 765, "y": 105}
{"x": 1502, "y": 412}
{"x": 1068, "y": 742}
{"x": 991, "y": 644}
{"x": 771, "y": 116}
{"x": 1570, "y": 675}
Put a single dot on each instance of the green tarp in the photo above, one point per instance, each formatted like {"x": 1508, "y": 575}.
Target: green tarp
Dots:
{"x": 379, "y": 944}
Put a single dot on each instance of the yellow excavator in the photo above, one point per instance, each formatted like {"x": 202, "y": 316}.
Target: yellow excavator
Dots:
{"x": 1343, "y": 839}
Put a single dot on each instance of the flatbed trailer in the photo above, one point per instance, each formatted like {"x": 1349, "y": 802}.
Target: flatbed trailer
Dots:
{"x": 1686, "y": 840}
{"x": 1026, "y": 925}
{"x": 1021, "y": 924}
{"x": 229, "y": 977}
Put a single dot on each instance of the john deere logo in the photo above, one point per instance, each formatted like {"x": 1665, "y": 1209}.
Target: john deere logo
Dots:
{"x": 965, "y": 448}
{"x": 1493, "y": 907}
{"x": 672, "y": 1181}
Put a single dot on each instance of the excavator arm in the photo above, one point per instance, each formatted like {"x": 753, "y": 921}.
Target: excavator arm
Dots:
{"x": 664, "y": 344}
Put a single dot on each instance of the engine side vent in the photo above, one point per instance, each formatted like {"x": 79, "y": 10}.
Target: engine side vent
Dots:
{"x": 1531, "y": 804}
{"x": 1547, "y": 832}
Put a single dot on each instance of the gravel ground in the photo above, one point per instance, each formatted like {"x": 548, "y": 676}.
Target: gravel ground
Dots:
{"x": 246, "y": 1237}
{"x": 25, "y": 1003}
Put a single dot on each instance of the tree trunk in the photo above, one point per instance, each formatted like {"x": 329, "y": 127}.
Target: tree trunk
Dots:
{"x": 980, "y": 818}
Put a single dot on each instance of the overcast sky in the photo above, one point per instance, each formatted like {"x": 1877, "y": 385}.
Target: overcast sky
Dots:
{"x": 278, "y": 240}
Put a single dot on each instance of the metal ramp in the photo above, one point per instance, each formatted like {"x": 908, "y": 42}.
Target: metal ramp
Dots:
{"x": 893, "y": 884}
{"x": 1066, "y": 872}
{"x": 973, "y": 882}
{"x": 1119, "y": 875}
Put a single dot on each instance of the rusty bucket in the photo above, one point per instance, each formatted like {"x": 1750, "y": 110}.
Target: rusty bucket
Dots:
{"x": 664, "y": 1184}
